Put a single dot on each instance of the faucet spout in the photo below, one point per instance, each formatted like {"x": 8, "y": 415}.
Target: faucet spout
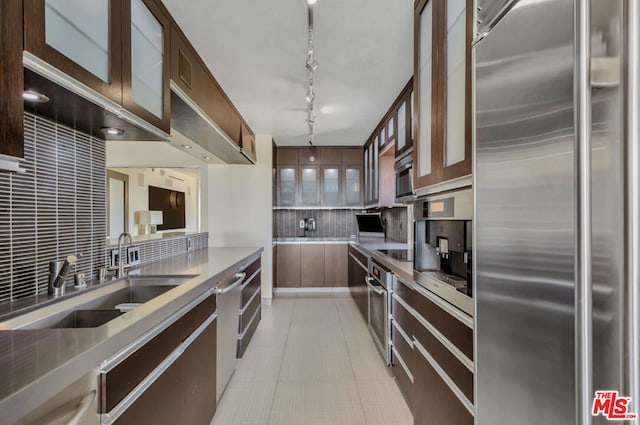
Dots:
{"x": 121, "y": 262}
{"x": 58, "y": 272}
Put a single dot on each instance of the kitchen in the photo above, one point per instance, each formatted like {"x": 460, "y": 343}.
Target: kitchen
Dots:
{"x": 319, "y": 212}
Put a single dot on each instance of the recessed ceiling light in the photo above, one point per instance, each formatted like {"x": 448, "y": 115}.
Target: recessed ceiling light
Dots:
{"x": 187, "y": 146}
{"x": 34, "y": 97}
{"x": 206, "y": 158}
{"x": 112, "y": 131}
{"x": 311, "y": 2}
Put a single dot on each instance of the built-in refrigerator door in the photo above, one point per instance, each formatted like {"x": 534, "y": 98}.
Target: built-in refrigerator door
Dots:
{"x": 527, "y": 230}
{"x": 524, "y": 217}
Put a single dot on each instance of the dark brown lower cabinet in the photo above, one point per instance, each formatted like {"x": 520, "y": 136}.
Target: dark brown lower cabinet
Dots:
{"x": 185, "y": 393}
{"x": 312, "y": 266}
{"x": 435, "y": 403}
{"x": 335, "y": 265}
{"x": 357, "y": 286}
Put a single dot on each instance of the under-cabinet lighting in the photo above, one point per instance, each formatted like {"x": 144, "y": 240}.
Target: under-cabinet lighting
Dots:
{"x": 34, "y": 96}
{"x": 112, "y": 131}
{"x": 187, "y": 146}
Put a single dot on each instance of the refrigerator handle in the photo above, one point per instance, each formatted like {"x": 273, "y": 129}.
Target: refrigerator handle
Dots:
{"x": 632, "y": 178}
{"x": 583, "y": 293}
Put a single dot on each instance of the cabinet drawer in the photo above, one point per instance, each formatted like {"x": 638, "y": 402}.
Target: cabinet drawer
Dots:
{"x": 400, "y": 314}
{"x": 245, "y": 339}
{"x": 452, "y": 366}
{"x": 118, "y": 381}
{"x": 401, "y": 345}
{"x": 404, "y": 291}
{"x": 435, "y": 402}
{"x": 405, "y": 382}
{"x": 359, "y": 256}
{"x": 452, "y": 328}
{"x": 247, "y": 312}
{"x": 252, "y": 268}
{"x": 249, "y": 288}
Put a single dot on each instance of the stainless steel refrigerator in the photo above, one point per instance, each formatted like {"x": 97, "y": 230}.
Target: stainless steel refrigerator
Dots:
{"x": 557, "y": 251}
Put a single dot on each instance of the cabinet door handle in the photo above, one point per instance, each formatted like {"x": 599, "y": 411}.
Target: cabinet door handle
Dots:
{"x": 83, "y": 408}
{"x": 239, "y": 279}
{"x": 373, "y": 287}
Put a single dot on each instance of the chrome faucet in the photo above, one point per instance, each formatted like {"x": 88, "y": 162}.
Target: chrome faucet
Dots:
{"x": 58, "y": 272}
{"x": 121, "y": 263}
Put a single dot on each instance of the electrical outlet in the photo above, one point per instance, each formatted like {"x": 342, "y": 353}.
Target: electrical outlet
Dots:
{"x": 302, "y": 224}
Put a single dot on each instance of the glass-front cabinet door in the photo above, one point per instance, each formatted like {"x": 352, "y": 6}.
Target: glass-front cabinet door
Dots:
{"x": 81, "y": 38}
{"x": 331, "y": 182}
{"x": 287, "y": 186}
{"x": 376, "y": 170}
{"x": 309, "y": 180}
{"x": 146, "y": 67}
{"x": 352, "y": 186}
{"x": 426, "y": 99}
{"x": 457, "y": 132}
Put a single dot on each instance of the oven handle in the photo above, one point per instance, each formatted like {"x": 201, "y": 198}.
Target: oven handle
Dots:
{"x": 374, "y": 288}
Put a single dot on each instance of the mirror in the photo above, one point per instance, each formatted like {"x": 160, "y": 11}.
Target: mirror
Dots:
{"x": 146, "y": 177}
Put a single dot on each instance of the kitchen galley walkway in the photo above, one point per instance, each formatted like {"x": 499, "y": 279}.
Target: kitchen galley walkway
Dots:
{"x": 312, "y": 361}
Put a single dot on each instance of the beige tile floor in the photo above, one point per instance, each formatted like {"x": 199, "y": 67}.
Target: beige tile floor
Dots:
{"x": 312, "y": 362}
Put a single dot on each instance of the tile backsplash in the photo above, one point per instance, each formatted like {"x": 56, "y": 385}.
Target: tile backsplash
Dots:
{"x": 154, "y": 250}
{"x": 330, "y": 223}
{"x": 56, "y": 208}
{"x": 338, "y": 223}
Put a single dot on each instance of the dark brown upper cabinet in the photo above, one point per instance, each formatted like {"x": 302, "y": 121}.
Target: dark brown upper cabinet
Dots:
{"x": 403, "y": 111}
{"x": 11, "y": 80}
{"x": 319, "y": 177}
{"x": 248, "y": 142}
{"x": 442, "y": 87}
{"x": 82, "y": 39}
{"x": 146, "y": 62}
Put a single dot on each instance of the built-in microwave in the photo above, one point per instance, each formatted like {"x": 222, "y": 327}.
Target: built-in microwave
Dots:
{"x": 404, "y": 178}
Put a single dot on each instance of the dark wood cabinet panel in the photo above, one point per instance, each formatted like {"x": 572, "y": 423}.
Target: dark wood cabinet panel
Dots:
{"x": 200, "y": 378}
{"x": 434, "y": 402}
{"x": 335, "y": 258}
{"x": 288, "y": 266}
{"x": 352, "y": 156}
{"x": 244, "y": 342}
{"x": 11, "y": 79}
{"x": 164, "y": 121}
{"x": 125, "y": 376}
{"x": 332, "y": 156}
{"x": 287, "y": 156}
{"x": 357, "y": 285}
{"x": 35, "y": 41}
{"x": 311, "y": 156}
{"x": 453, "y": 329}
{"x": 248, "y": 142}
{"x": 312, "y": 265}
{"x": 402, "y": 377}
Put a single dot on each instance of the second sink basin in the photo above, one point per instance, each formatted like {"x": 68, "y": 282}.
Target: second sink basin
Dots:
{"x": 82, "y": 319}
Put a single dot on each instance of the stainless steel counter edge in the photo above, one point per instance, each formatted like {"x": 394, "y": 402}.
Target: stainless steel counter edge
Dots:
{"x": 293, "y": 241}
{"x": 403, "y": 269}
{"x": 18, "y": 397}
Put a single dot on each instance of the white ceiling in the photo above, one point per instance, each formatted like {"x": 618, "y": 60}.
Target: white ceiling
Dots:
{"x": 256, "y": 49}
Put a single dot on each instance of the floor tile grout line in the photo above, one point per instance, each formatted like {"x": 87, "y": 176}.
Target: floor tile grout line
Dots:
{"x": 275, "y": 390}
{"x": 364, "y": 415}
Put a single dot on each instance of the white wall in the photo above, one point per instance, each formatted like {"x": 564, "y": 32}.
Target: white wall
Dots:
{"x": 240, "y": 207}
{"x": 161, "y": 177}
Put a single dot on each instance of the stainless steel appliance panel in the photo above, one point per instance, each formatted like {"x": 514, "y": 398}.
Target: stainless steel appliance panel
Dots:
{"x": 229, "y": 300}
{"x": 524, "y": 217}
{"x": 489, "y": 12}
{"x": 378, "y": 298}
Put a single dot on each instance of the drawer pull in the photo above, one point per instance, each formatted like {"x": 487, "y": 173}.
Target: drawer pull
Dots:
{"x": 239, "y": 278}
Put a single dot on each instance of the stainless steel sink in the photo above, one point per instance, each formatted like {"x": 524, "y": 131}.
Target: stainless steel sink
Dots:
{"x": 95, "y": 307}
{"x": 77, "y": 319}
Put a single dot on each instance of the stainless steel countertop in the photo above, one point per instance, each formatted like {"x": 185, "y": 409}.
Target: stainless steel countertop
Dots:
{"x": 370, "y": 247}
{"x": 36, "y": 364}
{"x": 312, "y": 240}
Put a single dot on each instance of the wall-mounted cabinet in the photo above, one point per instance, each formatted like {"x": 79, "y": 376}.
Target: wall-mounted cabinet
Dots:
{"x": 106, "y": 63}
{"x": 82, "y": 39}
{"x": 391, "y": 139}
{"x": 443, "y": 34}
{"x": 319, "y": 177}
{"x": 146, "y": 62}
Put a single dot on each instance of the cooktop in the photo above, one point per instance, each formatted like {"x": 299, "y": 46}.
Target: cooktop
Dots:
{"x": 404, "y": 255}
